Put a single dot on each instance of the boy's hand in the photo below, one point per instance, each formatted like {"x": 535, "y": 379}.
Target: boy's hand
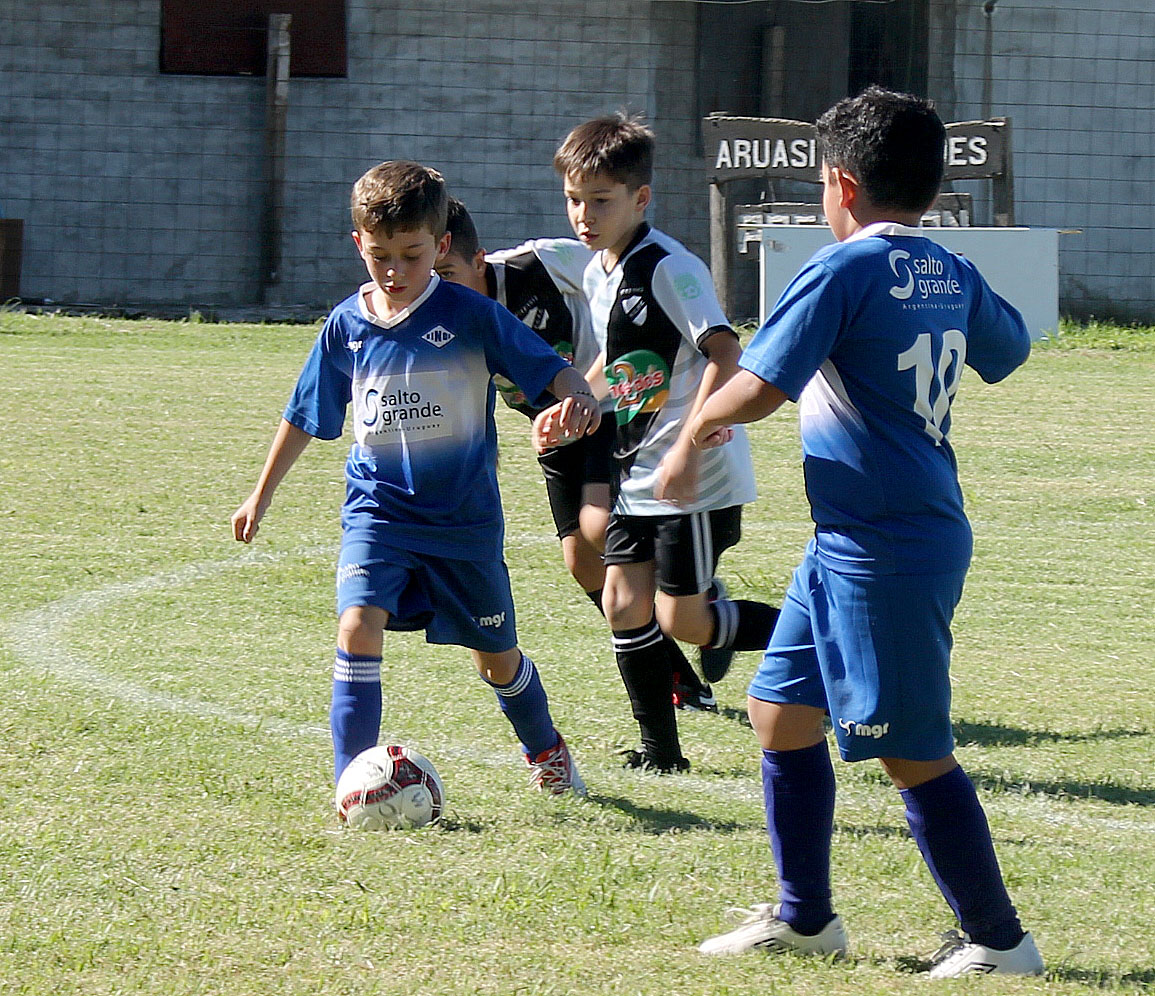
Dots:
{"x": 246, "y": 519}
{"x": 565, "y": 422}
{"x": 677, "y": 476}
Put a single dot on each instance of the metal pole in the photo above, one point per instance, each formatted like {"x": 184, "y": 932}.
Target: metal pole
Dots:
{"x": 276, "y": 112}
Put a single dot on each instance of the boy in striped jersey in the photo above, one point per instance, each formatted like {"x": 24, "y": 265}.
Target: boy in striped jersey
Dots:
{"x": 666, "y": 347}
{"x": 540, "y": 281}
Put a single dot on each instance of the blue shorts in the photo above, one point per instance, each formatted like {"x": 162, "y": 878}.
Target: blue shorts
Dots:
{"x": 462, "y": 602}
{"x": 874, "y": 652}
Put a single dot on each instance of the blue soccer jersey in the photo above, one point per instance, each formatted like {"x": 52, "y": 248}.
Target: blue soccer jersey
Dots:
{"x": 421, "y": 471}
{"x": 870, "y": 338}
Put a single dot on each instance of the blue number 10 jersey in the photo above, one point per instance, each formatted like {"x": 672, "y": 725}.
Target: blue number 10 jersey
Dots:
{"x": 871, "y": 338}
{"x": 422, "y": 469}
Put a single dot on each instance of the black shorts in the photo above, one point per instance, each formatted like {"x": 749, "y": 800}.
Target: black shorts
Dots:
{"x": 684, "y": 548}
{"x": 567, "y": 469}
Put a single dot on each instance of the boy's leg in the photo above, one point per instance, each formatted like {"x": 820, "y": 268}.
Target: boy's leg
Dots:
{"x": 787, "y": 710}
{"x": 514, "y": 679}
{"x": 693, "y": 605}
{"x": 520, "y": 695}
{"x": 951, "y": 830}
{"x": 355, "y": 708}
{"x": 644, "y": 663}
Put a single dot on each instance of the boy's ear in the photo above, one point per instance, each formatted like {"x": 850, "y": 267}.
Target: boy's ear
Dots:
{"x": 848, "y": 187}
{"x": 479, "y": 261}
{"x": 443, "y": 245}
{"x": 356, "y": 238}
{"x": 642, "y": 197}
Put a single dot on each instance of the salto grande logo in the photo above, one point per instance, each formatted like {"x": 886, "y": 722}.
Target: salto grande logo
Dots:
{"x": 922, "y": 274}
{"x": 688, "y": 287}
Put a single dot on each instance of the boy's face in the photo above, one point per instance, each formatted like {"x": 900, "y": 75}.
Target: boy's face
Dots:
{"x": 400, "y": 265}
{"x": 458, "y": 270}
{"x": 604, "y": 212}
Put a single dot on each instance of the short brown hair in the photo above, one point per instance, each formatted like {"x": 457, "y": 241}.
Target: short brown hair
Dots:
{"x": 615, "y": 145}
{"x": 400, "y": 196}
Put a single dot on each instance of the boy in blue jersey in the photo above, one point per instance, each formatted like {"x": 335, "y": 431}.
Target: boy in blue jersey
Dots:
{"x": 870, "y": 339}
{"x": 422, "y": 521}
{"x": 666, "y": 344}
{"x": 540, "y": 281}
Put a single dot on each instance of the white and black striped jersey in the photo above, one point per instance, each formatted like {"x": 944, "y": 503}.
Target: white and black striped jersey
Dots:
{"x": 651, "y": 312}
{"x": 540, "y": 281}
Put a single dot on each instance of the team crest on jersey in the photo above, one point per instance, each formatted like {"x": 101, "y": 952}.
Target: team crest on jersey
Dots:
{"x": 635, "y": 309}
{"x": 439, "y": 336}
{"x": 639, "y": 383}
{"x": 688, "y": 287}
{"x": 536, "y": 318}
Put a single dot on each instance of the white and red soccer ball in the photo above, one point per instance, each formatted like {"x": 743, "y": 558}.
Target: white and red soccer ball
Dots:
{"x": 388, "y": 787}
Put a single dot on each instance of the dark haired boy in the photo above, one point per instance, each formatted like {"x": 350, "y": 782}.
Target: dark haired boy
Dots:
{"x": 873, "y": 354}
{"x": 540, "y": 281}
{"x": 667, "y": 346}
{"x": 422, "y": 525}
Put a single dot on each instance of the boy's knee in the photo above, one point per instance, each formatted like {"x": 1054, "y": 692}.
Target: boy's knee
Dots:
{"x": 360, "y": 630}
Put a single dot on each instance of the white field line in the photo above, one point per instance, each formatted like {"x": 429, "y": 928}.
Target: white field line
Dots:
{"x": 37, "y": 639}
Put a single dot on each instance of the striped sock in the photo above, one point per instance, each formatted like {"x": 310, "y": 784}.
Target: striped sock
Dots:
{"x": 644, "y": 663}
{"x": 355, "y": 710}
{"x": 523, "y": 702}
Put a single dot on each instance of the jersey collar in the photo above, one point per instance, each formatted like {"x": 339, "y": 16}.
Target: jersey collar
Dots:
{"x": 884, "y": 228}
{"x": 383, "y": 323}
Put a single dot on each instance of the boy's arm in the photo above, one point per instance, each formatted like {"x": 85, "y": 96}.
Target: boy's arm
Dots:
{"x": 288, "y": 444}
{"x": 571, "y": 418}
{"x": 678, "y": 472}
{"x": 745, "y": 397}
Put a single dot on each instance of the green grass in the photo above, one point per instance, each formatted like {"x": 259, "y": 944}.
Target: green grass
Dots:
{"x": 163, "y": 831}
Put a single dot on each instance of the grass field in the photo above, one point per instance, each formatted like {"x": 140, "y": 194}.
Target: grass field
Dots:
{"x": 165, "y": 801}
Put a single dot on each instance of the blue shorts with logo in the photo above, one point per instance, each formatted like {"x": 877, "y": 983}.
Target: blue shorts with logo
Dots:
{"x": 462, "y": 602}
{"x": 874, "y": 651}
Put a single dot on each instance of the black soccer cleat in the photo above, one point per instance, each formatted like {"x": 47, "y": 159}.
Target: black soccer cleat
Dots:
{"x": 695, "y": 698}
{"x": 638, "y": 760}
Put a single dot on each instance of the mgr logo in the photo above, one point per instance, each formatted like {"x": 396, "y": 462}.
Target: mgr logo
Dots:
{"x": 921, "y": 274}
{"x": 852, "y": 729}
{"x": 639, "y": 383}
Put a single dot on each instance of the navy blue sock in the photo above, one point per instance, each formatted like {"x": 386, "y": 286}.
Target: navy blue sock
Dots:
{"x": 950, "y": 827}
{"x": 355, "y": 711}
{"x": 524, "y": 703}
{"x": 798, "y": 791}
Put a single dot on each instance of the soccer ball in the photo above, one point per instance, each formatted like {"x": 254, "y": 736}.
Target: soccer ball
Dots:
{"x": 388, "y": 787}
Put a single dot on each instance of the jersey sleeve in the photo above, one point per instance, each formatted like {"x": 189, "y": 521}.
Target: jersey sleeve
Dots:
{"x": 684, "y": 290}
{"x": 800, "y": 332}
{"x": 997, "y": 338}
{"x": 565, "y": 260}
{"x": 324, "y": 387}
{"x": 519, "y": 354}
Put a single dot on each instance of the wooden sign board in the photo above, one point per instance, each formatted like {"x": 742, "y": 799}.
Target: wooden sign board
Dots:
{"x": 742, "y": 148}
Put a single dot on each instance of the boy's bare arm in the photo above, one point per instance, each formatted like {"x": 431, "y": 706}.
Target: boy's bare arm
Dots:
{"x": 678, "y": 472}
{"x": 596, "y": 377}
{"x": 288, "y": 444}
{"x": 571, "y": 418}
{"x": 745, "y": 397}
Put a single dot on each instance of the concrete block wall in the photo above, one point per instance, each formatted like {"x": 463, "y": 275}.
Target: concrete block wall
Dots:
{"x": 141, "y": 189}
{"x": 1078, "y": 83}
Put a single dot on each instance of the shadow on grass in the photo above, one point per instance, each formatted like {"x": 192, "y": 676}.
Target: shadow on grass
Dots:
{"x": 739, "y": 716}
{"x": 1120, "y": 795}
{"x": 658, "y": 821}
{"x": 1142, "y": 979}
{"x": 995, "y": 735}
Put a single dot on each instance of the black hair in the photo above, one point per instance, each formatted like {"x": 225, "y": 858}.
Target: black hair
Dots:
{"x": 459, "y": 224}
{"x": 891, "y": 143}
{"x": 616, "y": 145}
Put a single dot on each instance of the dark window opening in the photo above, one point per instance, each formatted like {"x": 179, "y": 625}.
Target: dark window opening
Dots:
{"x": 228, "y": 37}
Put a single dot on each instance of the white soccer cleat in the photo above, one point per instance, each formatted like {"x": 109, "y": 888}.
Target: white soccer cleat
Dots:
{"x": 763, "y": 930}
{"x": 960, "y": 956}
{"x": 554, "y": 771}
